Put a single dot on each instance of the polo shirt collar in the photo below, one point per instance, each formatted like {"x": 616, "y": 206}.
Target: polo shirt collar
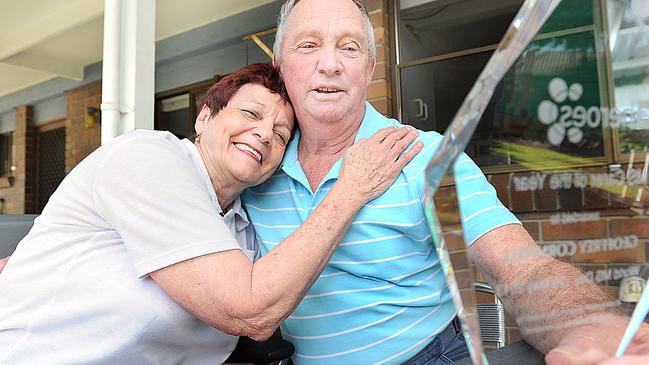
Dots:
{"x": 369, "y": 125}
{"x": 291, "y": 164}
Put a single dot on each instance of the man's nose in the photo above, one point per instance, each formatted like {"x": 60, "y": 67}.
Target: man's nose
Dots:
{"x": 329, "y": 63}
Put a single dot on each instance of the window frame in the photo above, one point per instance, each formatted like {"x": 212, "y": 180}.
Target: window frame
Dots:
{"x": 610, "y": 137}
{"x": 12, "y": 154}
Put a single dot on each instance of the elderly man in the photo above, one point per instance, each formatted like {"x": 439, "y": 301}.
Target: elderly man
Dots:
{"x": 382, "y": 298}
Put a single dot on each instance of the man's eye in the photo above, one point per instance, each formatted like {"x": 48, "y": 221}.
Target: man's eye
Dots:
{"x": 306, "y": 47}
{"x": 351, "y": 49}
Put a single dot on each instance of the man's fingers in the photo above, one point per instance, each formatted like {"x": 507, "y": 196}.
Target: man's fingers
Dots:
{"x": 382, "y": 134}
{"x": 401, "y": 144}
{"x": 577, "y": 355}
{"x": 395, "y": 136}
{"x": 409, "y": 155}
{"x": 627, "y": 360}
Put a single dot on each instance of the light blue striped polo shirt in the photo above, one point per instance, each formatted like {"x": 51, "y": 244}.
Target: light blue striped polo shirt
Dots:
{"x": 383, "y": 296}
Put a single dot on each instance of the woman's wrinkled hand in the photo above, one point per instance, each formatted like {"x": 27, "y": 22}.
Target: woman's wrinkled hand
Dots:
{"x": 371, "y": 165}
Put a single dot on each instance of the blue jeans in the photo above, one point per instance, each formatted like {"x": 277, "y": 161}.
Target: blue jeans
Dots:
{"x": 447, "y": 347}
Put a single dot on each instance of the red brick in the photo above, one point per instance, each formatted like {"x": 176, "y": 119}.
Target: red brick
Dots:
{"x": 533, "y": 229}
{"x": 501, "y": 183}
{"x": 82, "y": 141}
{"x": 382, "y": 71}
{"x": 379, "y": 88}
{"x": 595, "y": 198}
{"x": 382, "y": 105}
{"x": 571, "y": 199}
{"x": 379, "y": 18}
{"x": 573, "y": 231}
{"x": 459, "y": 260}
{"x": 455, "y": 242}
{"x": 545, "y": 200}
{"x": 623, "y": 227}
{"x": 373, "y": 5}
{"x": 633, "y": 255}
{"x": 521, "y": 201}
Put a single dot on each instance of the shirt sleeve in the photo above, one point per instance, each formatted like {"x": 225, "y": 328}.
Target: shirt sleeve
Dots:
{"x": 152, "y": 194}
{"x": 480, "y": 208}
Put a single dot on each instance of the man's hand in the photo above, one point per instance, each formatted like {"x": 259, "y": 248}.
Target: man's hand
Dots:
{"x": 627, "y": 360}
{"x": 571, "y": 319}
{"x": 597, "y": 341}
{"x": 3, "y": 263}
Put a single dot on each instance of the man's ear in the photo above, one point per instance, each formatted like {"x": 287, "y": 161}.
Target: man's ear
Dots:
{"x": 202, "y": 119}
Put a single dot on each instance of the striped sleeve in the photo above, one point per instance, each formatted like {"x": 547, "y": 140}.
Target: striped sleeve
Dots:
{"x": 480, "y": 207}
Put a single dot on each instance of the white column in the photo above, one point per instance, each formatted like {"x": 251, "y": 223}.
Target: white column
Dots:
{"x": 128, "y": 78}
{"x": 110, "y": 114}
{"x": 138, "y": 64}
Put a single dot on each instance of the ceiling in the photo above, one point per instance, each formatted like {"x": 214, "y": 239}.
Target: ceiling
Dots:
{"x": 44, "y": 39}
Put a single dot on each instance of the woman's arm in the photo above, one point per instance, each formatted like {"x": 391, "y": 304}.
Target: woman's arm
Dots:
{"x": 3, "y": 262}
{"x": 238, "y": 297}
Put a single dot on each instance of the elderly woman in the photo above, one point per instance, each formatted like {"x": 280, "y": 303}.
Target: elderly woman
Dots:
{"x": 144, "y": 255}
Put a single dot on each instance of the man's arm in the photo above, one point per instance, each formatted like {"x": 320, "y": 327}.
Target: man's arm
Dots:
{"x": 554, "y": 305}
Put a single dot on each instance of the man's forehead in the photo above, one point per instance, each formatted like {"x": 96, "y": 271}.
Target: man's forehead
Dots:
{"x": 316, "y": 22}
{"x": 306, "y": 10}
{"x": 318, "y": 29}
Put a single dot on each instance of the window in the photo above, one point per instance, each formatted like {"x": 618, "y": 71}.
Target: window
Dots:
{"x": 579, "y": 89}
{"x": 176, "y": 110}
{"x": 6, "y": 154}
{"x": 443, "y": 47}
{"x": 630, "y": 65}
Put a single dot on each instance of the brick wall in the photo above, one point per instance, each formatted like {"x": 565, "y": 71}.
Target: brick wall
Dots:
{"x": 81, "y": 140}
{"x": 379, "y": 92}
{"x": 612, "y": 216}
{"x": 20, "y": 198}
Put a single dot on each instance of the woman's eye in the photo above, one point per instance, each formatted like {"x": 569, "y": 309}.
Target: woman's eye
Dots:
{"x": 281, "y": 137}
{"x": 251, "y": 113}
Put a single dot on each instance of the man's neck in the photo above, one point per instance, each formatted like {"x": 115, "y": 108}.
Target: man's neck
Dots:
{"x": 322, "y": 144}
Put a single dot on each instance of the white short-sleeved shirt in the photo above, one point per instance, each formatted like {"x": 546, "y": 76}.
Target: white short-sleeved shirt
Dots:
{"x": 77, "y": 290}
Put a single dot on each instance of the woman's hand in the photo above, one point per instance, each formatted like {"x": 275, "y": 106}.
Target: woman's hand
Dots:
{"x": 371, "y": 165}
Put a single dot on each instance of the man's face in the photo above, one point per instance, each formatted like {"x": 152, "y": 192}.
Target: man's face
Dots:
{"x": 325, "y": 60}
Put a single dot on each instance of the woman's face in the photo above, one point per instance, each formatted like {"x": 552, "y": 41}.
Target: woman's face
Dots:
{"x": 244, "y": 143}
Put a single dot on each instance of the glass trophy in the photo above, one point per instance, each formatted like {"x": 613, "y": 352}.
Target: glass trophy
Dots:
{"x": 558, "y": 121}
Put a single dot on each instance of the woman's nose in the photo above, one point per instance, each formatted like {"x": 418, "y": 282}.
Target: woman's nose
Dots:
{"x": 264, "y": 133}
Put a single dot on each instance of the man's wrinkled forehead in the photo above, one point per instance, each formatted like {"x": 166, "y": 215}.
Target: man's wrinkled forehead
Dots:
{"x": 308, "y": 19}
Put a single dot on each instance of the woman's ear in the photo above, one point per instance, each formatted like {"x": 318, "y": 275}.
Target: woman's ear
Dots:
{"x": 202, "y": 119}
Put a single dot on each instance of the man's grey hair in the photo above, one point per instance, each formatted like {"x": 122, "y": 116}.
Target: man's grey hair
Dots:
{"x": 286, "y": 11}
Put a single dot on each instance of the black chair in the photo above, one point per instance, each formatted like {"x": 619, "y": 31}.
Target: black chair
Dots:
{"x": 275, "y": 349}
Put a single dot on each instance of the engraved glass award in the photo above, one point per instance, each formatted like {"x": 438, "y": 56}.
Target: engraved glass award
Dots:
{"x": 558, "y": 121}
